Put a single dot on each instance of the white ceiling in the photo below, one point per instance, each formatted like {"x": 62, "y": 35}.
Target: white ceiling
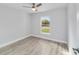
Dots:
{"x": 44, "y": 7}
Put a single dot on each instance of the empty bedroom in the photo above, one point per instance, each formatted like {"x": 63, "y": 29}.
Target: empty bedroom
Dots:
{"x": 36, "y": 28}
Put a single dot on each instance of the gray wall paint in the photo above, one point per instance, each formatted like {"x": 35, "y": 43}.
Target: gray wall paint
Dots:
{"x": 58, "y": 24}
{"x": 14, "y": 24}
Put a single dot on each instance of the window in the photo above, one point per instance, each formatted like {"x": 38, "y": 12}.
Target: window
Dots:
{"x": 45, "y": 25}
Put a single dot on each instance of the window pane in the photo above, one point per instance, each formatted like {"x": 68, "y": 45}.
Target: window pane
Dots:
{"x": 45, "y": 25}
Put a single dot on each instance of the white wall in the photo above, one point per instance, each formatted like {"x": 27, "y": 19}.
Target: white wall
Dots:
{"x": 77, "y": 15}
{"x": 58, "y": 24}
{"x": 71, "y": 26}
{"x": 14, "y": 24}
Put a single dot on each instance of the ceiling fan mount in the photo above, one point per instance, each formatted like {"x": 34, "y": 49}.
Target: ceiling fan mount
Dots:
{"x": 34, "y": 6}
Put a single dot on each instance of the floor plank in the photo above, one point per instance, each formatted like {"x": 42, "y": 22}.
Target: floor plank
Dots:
{"x": 35, "y": 46}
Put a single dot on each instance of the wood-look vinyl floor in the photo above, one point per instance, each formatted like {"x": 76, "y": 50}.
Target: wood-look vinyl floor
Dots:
{"x": 35, "y": 46}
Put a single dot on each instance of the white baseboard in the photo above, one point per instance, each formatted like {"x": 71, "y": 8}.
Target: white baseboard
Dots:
{"x": 48, "y": 38}
{"x": 14, "y": 41}
{"x": 29, "y": 36}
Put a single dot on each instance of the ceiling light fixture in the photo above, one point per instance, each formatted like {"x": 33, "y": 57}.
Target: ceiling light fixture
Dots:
{"x": 34, "y": 6}
{"x": 34, "y": 9}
